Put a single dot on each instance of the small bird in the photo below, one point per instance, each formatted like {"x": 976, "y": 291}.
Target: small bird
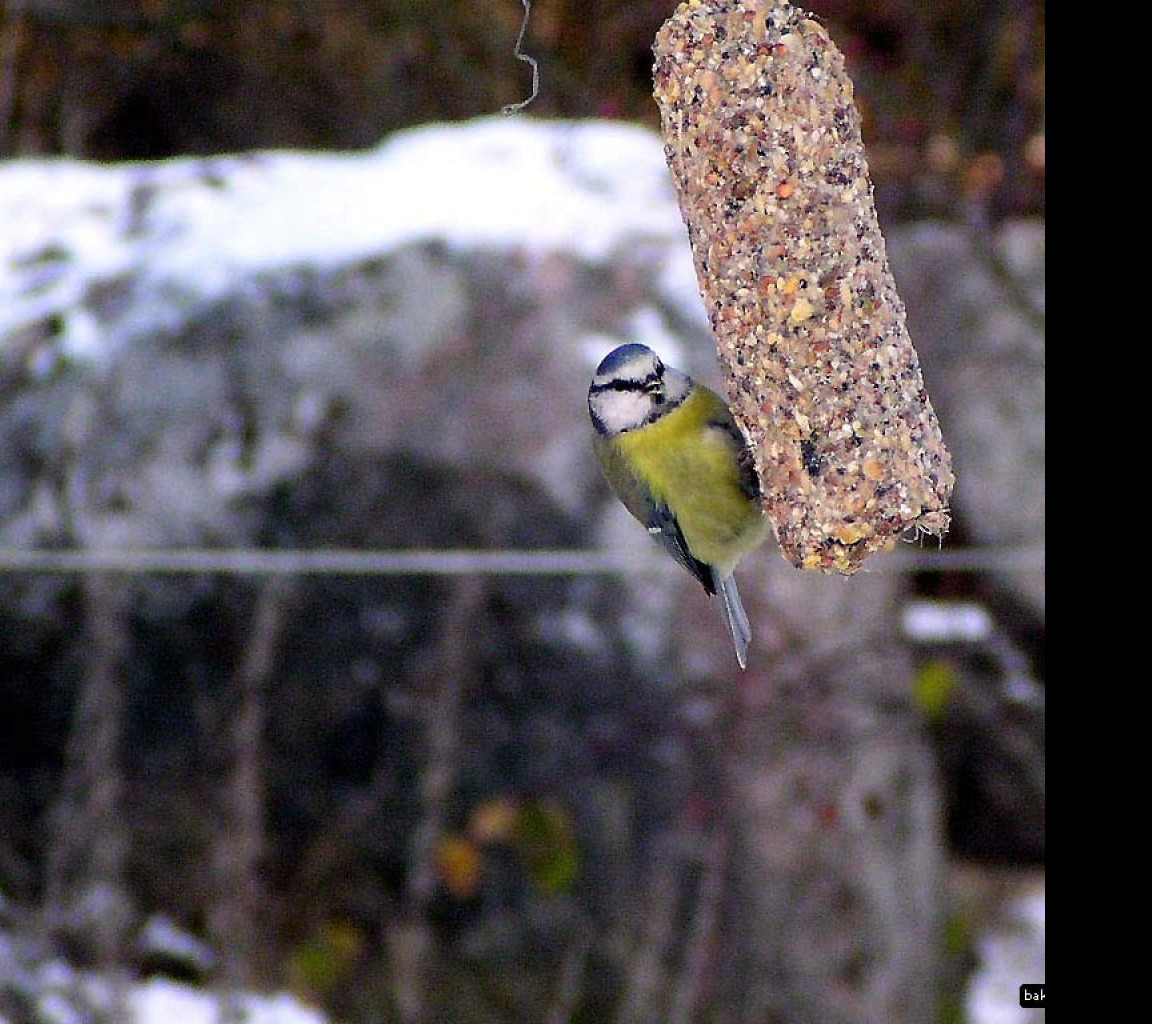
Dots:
{"x": 676, "y": 458}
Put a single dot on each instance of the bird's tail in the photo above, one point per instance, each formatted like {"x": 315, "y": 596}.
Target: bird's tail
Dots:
{"x": 734, "y": 615}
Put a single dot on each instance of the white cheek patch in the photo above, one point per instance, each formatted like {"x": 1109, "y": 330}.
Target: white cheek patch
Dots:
{"x": 623, "y": 410}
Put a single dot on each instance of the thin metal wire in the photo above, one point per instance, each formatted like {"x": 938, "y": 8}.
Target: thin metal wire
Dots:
{"x": 512, "y": 108}
{"x": 344, "y": 562}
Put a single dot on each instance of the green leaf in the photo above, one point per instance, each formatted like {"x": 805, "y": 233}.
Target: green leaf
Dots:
{"x": 933, "y": 688}
{"x": 546, "y": 840}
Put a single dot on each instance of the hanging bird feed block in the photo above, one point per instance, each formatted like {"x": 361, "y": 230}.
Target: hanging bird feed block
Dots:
{"x": 763, "y": 139}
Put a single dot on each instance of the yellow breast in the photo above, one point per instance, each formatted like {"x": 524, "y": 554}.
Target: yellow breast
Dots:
{"x": 692, "y": 467}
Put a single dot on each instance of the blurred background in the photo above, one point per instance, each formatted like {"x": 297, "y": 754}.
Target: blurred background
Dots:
{"x": 334, "y": 686}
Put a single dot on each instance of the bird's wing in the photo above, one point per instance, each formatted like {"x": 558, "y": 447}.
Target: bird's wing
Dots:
{"x": 663, "y": 526}
{"x": 749, "y": 478}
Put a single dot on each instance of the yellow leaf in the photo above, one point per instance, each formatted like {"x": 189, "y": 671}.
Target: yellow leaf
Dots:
{"x": 494, "y": 821}
{"x": 460, "y": 865}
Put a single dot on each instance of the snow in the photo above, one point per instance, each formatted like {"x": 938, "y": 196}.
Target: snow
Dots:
{"x": 165, "y": 1002}
{"x": 161, "y": 937}
{"x": 62, "y": 994}
{"x": 1008, "y": 957}
{"x": 945, "y": 621}
{"x": 75, "y": 230}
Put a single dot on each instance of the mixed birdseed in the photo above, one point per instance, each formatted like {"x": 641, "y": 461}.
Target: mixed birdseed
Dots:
{"x": 763, "y": 140}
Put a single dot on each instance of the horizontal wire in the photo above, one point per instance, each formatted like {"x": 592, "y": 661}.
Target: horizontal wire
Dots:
{"x": 347, "y": 562}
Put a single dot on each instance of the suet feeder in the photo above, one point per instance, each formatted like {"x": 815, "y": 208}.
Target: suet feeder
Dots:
{"x": 763, "y": 139}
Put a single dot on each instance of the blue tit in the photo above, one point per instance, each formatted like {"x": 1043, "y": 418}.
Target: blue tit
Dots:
{"x": 676, "y": 458}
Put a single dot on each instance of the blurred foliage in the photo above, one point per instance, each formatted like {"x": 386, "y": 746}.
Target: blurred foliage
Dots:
{"x": 952, "y": 95}
{"x": 547, "y": 844}
{"x": 933, "y": 687}
{"x": 539, "y": 832}
{"x": 958, "y": 954}
{"x": 320, "y": 964}
{"x": 460, "y": 863}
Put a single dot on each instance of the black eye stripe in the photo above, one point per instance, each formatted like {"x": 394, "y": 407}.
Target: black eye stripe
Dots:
{"x": 627, "y": 384}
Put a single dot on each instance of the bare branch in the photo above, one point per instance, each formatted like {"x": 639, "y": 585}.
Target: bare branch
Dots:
{"x": 448, "y": 670}
{"x": 571, "y": 980}
{"x": 240, "y": 841}
{"x": 705, "y": 917}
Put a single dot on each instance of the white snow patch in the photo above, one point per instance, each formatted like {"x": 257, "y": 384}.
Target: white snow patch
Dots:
{"x": 1009, "y": 957}
{"x": 161, "y": 936}
{"x": 74, "y": 230}
{"x": 166, "y": 1002}
{"x": 944, "y": 621}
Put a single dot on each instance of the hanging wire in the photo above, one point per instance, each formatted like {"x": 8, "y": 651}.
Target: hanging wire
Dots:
{"x": 513, "y": 108}
{"x": 346, "y": 562}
